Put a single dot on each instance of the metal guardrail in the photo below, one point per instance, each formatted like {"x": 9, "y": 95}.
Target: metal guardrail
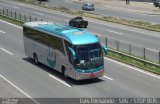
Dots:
{"x": 18, "y": 15}
{"x": 135, "y": 58}
{"x": 137, "y": 51}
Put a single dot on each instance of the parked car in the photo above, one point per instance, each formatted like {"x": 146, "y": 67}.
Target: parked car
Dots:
{"x": 78, "y": 22}
{"x": 88, "y": 6}
{"x": 156, "y": 3}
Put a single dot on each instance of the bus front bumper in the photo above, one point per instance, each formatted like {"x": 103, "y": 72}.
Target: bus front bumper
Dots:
{"x": 82, "y": 76}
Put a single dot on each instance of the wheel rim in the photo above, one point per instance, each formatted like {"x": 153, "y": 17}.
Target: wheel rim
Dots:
{"x": 36, "y": 59}
{"x": 64, "y": 73}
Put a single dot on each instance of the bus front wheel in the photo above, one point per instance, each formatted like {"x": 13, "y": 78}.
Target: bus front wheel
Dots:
{"x": 64, "y": 72}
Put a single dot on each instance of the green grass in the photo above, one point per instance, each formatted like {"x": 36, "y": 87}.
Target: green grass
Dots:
{"x": 11, "y": 20}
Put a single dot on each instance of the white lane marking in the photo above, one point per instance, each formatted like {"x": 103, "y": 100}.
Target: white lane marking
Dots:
{"x": 143, "y": 33}
{"x": 107, "y": 77}
{"x": 152, "y": 50}
{"x": 136, "y": 69}
{"x": 39, "y": 13}
{"x": 15, "y": 7}
{"x": 150, "y": 3}
{"x": 151, "y": 15}
{"x": 19, "y": 89}
{"x": 59, "y": 80}
{"x": 11, "y": 24}
{"x": 6, "y": 51}
{"x": 68, "y": 1}
{"x": 97, "y": 34}
{"x": 2, "y": 32}
{"x": 114, "y": 32}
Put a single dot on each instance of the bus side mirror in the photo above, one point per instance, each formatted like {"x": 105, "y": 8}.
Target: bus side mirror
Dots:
{"x": 104, "y": 49}
{"x": 72, "y": 53}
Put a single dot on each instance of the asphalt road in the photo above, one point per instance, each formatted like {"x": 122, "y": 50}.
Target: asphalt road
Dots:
{"x": 108, "y": 11}
{"x": 134, "y": 36}
{"x": 34, "y": 81}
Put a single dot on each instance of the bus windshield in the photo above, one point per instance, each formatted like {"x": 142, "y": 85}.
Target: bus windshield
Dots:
{"x": 88, "y": 56}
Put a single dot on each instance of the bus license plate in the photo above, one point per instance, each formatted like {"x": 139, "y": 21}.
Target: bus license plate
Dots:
{"x": 92, "y": 75}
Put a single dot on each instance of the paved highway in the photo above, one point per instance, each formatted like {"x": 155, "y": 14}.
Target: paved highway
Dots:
{"x": 135, "y": 36}
{"x": 108, "y": 11}
{"x": 25, "y": 79}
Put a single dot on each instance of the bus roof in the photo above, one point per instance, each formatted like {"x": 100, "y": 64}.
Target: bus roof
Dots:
{"x": 73, "y": 35}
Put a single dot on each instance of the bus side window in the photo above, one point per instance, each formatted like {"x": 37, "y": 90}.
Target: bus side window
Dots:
{"x": 56, "y": 43}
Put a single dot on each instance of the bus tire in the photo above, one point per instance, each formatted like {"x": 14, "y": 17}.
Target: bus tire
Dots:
{"x": 64, "y": 72}
{"x": 35, "y": 59}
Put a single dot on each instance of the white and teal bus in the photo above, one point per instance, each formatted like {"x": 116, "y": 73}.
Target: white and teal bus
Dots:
{"x": 74, "y": 52}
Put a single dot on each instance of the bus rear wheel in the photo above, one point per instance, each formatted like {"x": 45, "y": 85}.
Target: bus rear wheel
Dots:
{"x": 35, "y": 59}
